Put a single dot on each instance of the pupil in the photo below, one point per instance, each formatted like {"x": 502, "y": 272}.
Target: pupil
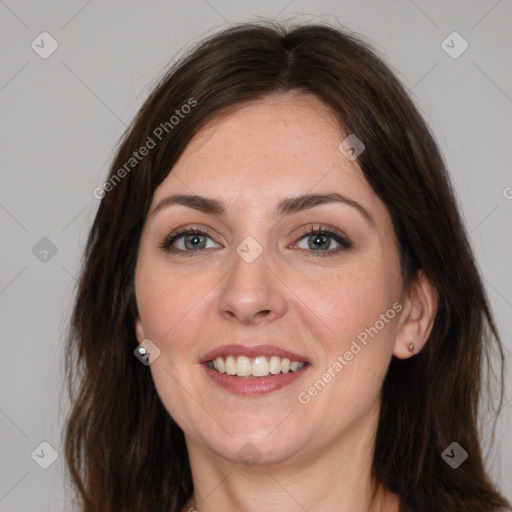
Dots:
{"x": 320, "y": 240}
{"x": 195, "y": 240}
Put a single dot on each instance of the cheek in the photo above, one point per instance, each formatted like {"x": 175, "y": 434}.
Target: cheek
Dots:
{"x": 356, "y": 317}
{"x": 164, "y": 299}
{"x": 174, "y": 308}
{"x": 171, "y": 308}
{"x": 357, "y": 343}
{"x": 346, "y": 303}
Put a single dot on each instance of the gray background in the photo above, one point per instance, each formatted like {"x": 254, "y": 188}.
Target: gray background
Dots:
{"x": 61, "y": 118}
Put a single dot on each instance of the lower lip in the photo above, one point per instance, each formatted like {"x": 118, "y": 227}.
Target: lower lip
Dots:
{"x": 253, "y": 385}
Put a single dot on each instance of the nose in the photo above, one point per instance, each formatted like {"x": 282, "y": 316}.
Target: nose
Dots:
{"x": 252, "y": 291}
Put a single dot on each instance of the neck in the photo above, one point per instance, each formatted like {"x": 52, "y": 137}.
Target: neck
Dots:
{"x": 333, "y": 476}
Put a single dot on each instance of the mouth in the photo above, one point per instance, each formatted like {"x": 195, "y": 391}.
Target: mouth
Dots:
{"x": 260, "y": 366}
{"x": 253, "y": 370}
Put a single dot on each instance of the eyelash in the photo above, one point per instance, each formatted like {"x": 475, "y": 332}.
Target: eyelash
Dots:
{"x": 344, "y": 241}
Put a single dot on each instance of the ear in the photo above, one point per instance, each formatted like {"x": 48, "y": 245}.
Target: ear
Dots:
{"x": 139, "y": 331}
{"x": 417, "y": 318}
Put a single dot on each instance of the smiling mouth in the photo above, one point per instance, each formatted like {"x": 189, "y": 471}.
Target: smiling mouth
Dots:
{"x": 260, "y": 366}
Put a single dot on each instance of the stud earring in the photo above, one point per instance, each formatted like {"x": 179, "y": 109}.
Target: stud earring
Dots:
{"x": 411, "y": 347}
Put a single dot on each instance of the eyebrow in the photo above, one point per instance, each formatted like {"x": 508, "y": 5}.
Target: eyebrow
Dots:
{"x": 285, "y": 207}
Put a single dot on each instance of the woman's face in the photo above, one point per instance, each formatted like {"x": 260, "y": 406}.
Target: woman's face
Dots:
{"x": 263, "y": 275}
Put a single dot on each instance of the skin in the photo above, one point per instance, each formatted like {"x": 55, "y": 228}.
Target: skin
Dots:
{"x": 314, "y": 456}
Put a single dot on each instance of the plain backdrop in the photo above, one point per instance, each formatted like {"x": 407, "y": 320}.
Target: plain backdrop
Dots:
{"x": 61, "y": 119}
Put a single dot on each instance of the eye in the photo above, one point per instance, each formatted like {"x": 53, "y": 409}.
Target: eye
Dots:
{"x": 191, "y": 241}
{"x": 320, "y": 241}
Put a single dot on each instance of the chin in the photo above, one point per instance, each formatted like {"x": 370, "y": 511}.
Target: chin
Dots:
{"x": 249, "y": 444}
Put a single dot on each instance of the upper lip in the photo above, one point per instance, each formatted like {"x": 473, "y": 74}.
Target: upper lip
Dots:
{"x": 252, "y": 351}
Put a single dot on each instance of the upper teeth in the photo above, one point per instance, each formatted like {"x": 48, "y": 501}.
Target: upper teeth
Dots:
{"x": 260, "y": 366}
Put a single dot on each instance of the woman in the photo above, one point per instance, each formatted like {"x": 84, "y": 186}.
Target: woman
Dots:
{"x": 279, "y": 245}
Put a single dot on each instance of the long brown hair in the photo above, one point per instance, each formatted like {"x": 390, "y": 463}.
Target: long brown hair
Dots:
{"x": 124, "y": 451}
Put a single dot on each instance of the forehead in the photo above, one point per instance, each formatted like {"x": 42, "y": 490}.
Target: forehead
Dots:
{"x": 266, "y": 150}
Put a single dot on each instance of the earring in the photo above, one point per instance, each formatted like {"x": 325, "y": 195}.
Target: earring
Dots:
{"x": 411, "y": 347}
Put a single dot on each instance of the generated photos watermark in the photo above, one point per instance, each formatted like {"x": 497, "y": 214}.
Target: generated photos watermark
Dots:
{"x": 151, "y": 142}
{"x": 343, "y": 360}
